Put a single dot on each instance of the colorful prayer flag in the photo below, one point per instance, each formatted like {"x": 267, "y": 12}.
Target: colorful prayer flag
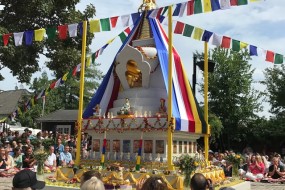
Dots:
{"x": 207, "y": 35}
{"x": 217, "y": 40}
{"x": 105, "y": 24}
{"x": 94, "y": 26}
{"x": 278, "y": 58}
{"x": 242, "y": 2}
{"x": 39, "y": 34}
{"x": 62, "y": 32}
{"x": 18, "y": 38}
{"x": 190, "y": 7}
{"x": 243, "y": 45}
{"x": 269, "y": 56}
{"x": 88, "y": 61}
{"x": 29, "y": 35}
{"x": 177, "y": 9}
{"x": 135, "y": 17}
{"x": 51, "y": 33}
{"x": 125, "y": 20}
{"x": 114, "y": 21}
{"x": 72, "y": 30}
{"x": 252, "y": 50}
{"x": 127, "y": 30}
{"x": 197, "y": 7}
{"x": 235, "y": 45}
{"x": 198, "y": 32}
{"x": 215, "y": 5}
{"x": 226, "y": 42}
{"x": 122, "y": 36}
{"x": 188, "y": 29}
{"x": 6, "y": 38}
{"x": 225, "y": 4}
{"x": 207, "y": 6}
{"x": 182, "y": 9}
{"x": 179, "y": 28}
{"x": 234, "y": 2}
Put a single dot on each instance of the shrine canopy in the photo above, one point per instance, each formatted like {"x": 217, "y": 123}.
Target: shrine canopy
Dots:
{"x": 185, "y": 108}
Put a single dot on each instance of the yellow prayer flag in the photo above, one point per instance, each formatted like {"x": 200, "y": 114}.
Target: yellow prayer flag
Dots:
{"x": 39, "y": 34}
{"x": 110, "y": 41}
{"x": 198, "y": 32}
{"x": 94, "y": 26}
{"x": 88, "y": 61}
{"x": 254, "y": 0}
{"x": 207, "y": 6}
{"x": 243, "y": 45}
{"x": 64, "y": 78}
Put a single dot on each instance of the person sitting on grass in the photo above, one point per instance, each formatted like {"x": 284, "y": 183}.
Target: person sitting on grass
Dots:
{"x": 66, "y": 158}
{"x": 28, "y": 159}
{"x": 276, "y": 170}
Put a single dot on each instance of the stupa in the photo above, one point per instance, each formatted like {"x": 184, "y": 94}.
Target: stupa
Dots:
{"x": 133, "y": 96}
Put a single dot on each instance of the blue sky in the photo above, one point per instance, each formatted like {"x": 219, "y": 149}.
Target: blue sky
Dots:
{"x": 261, "y": 24}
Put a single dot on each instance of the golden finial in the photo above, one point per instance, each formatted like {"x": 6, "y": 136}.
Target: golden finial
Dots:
{"x": 147, "y": 5}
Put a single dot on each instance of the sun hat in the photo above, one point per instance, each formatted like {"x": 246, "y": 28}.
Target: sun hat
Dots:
{"x": 27, "y": 178}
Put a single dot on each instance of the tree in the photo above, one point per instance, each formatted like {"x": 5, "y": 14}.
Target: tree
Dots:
{"x": 274, "y": 81}
{"x": 231, "y": 97}
{"x": 27, "y": 15}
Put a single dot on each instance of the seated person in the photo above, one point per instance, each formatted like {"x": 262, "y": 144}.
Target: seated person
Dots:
{"x": 256, "y": 169}
{"x": 50, "y": 163}
{"x": 276, "y": 170}
{"x": 28, "y": 158}
{"x": 65, "y": 157}
{"x": 3, "y": 160}
{"x": 93, "y": 183}
{"x": 9, "y": 159}
{"x": 18, "y": 158}
{"x": 154, "y": 182}
{"x": 88, "y": 175}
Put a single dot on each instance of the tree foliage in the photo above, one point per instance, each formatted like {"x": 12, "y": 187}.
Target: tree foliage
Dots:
{"x": 24, "y": 15}
{"x": 231, "y": 97}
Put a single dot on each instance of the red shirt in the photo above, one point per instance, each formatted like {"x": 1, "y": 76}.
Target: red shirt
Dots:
{"x": 255, "y": 170}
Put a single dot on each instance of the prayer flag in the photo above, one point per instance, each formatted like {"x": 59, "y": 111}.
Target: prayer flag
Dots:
{"x": 93, "y": 58}
{"x": 177, "y": 10}
{"x": 76, "y": 69}
{"x": 207, "y": 6}
{"x": 39, "y": 34}
{"x": 64, "y": 78}
{"x": 57, "y": 83}
{"x": 105, "y": 24}
{"x": 51, "y": 33}
{"x": 72, "y": 30}
{"x": 198, "y": 32}
{"x": 206, "y": 36}
{"x": 215, "y": 5}
{"x": 6, "y": 38}
{"x": 226, "y": 42}
{"x": 225, "y": 4}
{"x": 159, "y": 12}
{"x": 164, "y": 10}
{"x": 125, "y": 20}
{"x": 217, "y": 40}
{"x": 243, "y": 45}
{"x": 135, "y": 17}
{"x": 188, "y": 29}
{"x": 94, "y": 26}
{"x": 88, "y": 62}
{"x": 190, "y": 7}
{"x": 153, "y": 13}
{"x": 182, "y": 9}
{"x": 197, "y": 7}
{"x": 18, "y": 38}
{"x": 242, "y": 2}
{"x": 62, "y": 32}
{"x": 80, "y": 28}
{"x": 122, "y": 36}
{"x": 278, "y": 59}
{"x": 179, "y": 28}
{"x": 29, "y": 35}
{"x": 252, "y": 50}
{"x": 114, "y": 21}
{"x": 235, "y": 45}
{"x": 128, "y": 30}
{"x": 254, "y": 0}
{"x": 269, "y": 56}
{"x": 234, "y": 2}
{"x": 52, "y": 85}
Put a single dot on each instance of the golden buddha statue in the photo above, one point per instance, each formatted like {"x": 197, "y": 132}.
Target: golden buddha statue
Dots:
{"x": 147, "y": 5}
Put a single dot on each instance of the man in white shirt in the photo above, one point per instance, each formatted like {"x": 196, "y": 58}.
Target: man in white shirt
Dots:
{"x": 50, "y": 163}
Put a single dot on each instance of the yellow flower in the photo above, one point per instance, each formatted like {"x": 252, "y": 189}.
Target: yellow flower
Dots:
{"x": 237, "y": 156}
{"x": 195, "y": 163}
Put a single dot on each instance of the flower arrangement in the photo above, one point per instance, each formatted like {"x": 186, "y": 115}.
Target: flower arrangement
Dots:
{"x": 41, "y": 156}
{"x": 187, "y": 165}
{"x": 235, "y": 160}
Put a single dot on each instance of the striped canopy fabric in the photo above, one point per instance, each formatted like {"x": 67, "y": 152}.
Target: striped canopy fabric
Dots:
{"x": 184, "y": 105}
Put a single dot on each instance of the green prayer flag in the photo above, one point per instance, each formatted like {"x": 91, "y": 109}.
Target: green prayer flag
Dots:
{"x": 69, "y": 74}
{"x": 235, "y": 45}
{"x": 1, "y": 40}
{"x": 242, "y": 2}
{"x": 164, "y": 10}
{"x": 198, "y": 7}
{"x": 51, "y": 33}
{"x": 93, "y": 56}
{"x": 105, "y": 24}
{"x": 278, "y": 58}
{"x": 123, "y": 36}
{"x": 188, "y": 29}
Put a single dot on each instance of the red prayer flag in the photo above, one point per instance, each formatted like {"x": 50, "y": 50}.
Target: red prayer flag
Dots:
{"x": 114, "y": 21}
{"x": 190, "y": 8}
{"x": 62, "y": 32}
{"x": 128, "y": 30}
{"x": 269, "y": 56}
{"x": 52, "y": 85}
{"x": 234, "y": 2}
{"x": 179, "y": 28}
{"x": 226, "y": 42}
{"x": 6, "y": 38}
{"x": 159, "y": 12}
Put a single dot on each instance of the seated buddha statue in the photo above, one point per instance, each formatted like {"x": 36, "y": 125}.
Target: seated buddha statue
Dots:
{"x": 97, "y": 111}
{"x": 162, "y": 108}
{"x": 126, "y": 109}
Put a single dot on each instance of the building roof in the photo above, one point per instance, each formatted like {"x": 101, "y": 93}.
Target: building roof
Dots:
{"x": 60, "y": 116}
{"x": 9, "y": 101}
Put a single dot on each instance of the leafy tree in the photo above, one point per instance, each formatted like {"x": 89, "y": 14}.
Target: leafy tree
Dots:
{"x": 34, "y": 14}
{"x": 274, "y": 81}
{"x": 231, "y": 97}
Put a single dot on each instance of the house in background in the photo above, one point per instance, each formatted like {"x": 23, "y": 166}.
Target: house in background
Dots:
{"x": 62, "y": 121}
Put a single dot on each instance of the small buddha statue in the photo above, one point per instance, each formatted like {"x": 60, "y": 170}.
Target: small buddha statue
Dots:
{"x": 97, "y": 111}
{"x": 126, "y": 109}
{"x": 162, "y": 108}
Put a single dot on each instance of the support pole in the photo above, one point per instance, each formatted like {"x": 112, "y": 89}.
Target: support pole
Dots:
{"x": 169, "y": 100}
{"x": 207, "y": 135}
{"x": 81, "y": 92}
